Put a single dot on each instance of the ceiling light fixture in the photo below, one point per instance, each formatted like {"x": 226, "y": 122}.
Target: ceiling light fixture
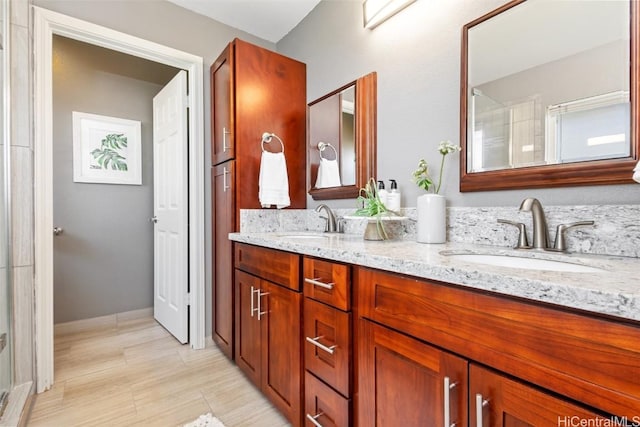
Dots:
{"x": 375, "y": 12}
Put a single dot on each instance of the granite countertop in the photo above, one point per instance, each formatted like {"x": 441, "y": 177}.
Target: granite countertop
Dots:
{"x": 611, "y": 291}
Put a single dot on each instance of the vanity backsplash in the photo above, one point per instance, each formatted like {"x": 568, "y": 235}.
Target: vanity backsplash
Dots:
{"x": 616, "y": 230}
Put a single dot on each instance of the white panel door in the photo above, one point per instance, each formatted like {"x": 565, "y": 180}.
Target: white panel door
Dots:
{"x": 170, "y": 207}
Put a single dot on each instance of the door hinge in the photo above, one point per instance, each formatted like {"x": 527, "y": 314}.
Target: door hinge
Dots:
{"x": 186, "y": 101}
{"x": 189, "y": 298}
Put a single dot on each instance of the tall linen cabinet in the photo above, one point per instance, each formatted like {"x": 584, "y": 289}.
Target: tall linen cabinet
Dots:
{"x": 253, "y": 90}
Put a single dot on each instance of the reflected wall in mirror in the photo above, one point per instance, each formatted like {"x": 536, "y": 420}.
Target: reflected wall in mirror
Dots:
{"x": 341, "y": 140}
{"x": 547, "y": 97}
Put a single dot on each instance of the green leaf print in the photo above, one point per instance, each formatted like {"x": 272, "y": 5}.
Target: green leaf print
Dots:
{"x": 108, "y": 156}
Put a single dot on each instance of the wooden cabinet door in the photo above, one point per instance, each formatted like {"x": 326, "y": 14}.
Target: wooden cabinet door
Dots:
{"x": 248, "y": 327}
{"x": 222, "y": 135}
{"x": 401, "y": 381}
{"x": 502, "y": 402}
{"x": 281, "y": 349}
{"x": 223, "y": 208}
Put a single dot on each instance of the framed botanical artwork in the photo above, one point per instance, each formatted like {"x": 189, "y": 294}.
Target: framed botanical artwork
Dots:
{"x": 106, "y": 149}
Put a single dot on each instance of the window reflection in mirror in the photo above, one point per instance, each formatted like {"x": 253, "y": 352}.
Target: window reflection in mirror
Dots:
{"x": 548, "y": 83}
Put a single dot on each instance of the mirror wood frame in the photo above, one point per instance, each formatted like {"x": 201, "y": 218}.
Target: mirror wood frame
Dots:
{"x": 366, "y": 107}
{"x": 596, "y": 172}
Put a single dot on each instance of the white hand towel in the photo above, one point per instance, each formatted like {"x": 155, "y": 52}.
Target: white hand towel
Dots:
{"x": 636, "y": 173}
{"x": 273, "y": 182}
{"x": 328, "y": 174}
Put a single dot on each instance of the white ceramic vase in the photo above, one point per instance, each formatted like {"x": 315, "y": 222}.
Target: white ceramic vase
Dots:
{"x": 432, "y": 219}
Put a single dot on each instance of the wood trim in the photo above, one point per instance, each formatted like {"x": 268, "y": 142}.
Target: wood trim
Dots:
{"x": 366, "y": 140}
{"x": 600, "y": 172}
{"x": 47, "y": 23}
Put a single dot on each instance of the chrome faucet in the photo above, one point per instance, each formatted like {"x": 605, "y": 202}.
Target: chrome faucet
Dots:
{"x": 331, "y": 224}
{"x": 540, "y": 231}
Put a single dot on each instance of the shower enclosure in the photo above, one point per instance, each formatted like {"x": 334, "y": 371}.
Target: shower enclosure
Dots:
{"x": 6, "y": 372}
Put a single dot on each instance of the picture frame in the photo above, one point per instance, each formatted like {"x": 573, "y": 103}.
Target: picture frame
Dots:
{"x": 106, "y": 150}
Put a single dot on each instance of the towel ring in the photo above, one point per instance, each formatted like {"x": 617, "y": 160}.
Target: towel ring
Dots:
{"x": 267, "y": 137}
{"x": 323, "y": 146}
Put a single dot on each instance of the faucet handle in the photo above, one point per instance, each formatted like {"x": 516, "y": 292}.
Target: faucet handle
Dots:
{"x": 523, "y": 243}
{"x": 560, "y": 244}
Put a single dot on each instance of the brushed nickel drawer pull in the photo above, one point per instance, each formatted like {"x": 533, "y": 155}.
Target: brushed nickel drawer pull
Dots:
{"x": 253, "y": 291}
{"x": 448, "y": 386}
{"x": 315, "y": 342}
{"x": 260, "y": 294}
{"x": 480, "y": 405}
{"x": 316, "y": 282}
{"x": 225, "y": 185}
{"x": 313, "y": 419}
{"x": 225, "y": 132}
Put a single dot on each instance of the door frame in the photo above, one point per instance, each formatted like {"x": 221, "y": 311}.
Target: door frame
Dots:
{"x": 46, "y": 24}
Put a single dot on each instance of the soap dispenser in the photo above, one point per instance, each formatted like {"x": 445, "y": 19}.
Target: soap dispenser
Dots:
{"x": 382, "y": 193}
{"x": 393, "y": 198}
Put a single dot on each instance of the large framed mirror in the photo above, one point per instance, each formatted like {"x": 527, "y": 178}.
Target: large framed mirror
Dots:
{"x": 341, "y": 140}
{"x": 549, "y": 95}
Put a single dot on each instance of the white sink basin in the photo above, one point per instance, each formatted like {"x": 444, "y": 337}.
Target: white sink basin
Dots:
{"x": 303, "y": 236}
{"x": 525, "y": 263}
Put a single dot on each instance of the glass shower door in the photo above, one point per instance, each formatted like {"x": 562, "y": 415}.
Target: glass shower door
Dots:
{"x": 6, "y": 375}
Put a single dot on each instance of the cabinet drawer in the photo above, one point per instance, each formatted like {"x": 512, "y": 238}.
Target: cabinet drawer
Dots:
{"x": 279, "y": 267}
{"x": 589, "y": 359}
{"x": 327, "y": 341}
{"x": 328, "y": 282}
{"x": 324, "y": 405}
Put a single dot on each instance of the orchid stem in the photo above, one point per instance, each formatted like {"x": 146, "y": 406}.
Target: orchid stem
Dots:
{"x": 440, "y": 176}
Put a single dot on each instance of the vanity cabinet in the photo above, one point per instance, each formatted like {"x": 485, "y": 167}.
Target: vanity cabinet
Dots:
{"x": 531, "y": 362}
{"x": 268, "y": 330}
{"x": 253, "y": 90}
{"x": 328, "y": 350}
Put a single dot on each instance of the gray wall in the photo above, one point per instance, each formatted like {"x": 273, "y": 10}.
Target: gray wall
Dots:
{"x": 417, "y": 57}
{"x": 165, "y": 23}
{"x": 103, "y": 261}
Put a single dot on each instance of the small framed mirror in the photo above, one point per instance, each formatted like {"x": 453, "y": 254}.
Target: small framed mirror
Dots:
{"x": 341, "y": 140}
{"x": 549, "y": 95}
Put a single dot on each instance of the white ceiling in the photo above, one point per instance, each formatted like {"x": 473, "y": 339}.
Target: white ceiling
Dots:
{"x": 268, "y": 19}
